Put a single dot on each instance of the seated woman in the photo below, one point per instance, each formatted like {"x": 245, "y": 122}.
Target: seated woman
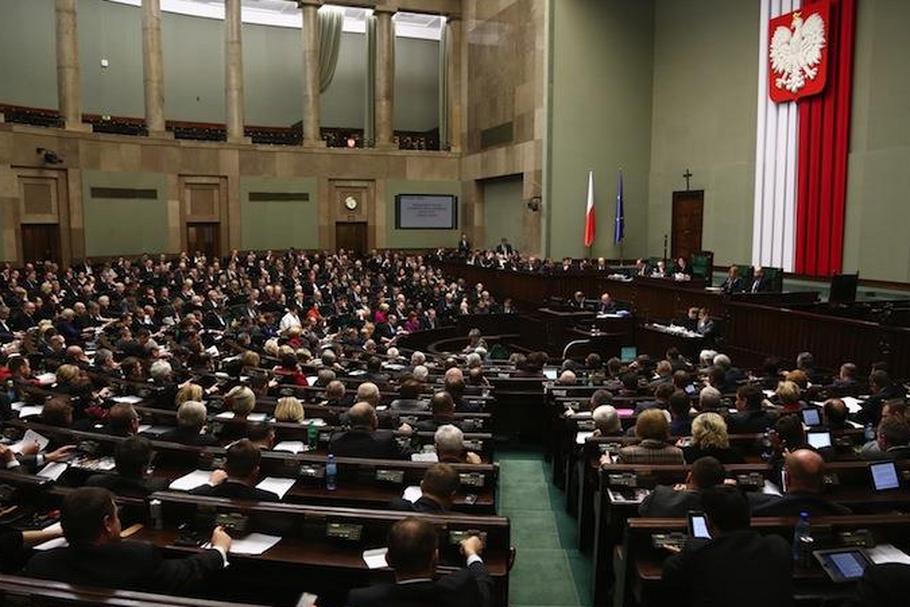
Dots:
{"x": 241, "y": 401}
{"x": 653, "y": 430}
{"x": 288, "y": 371}
{"x": 290, "y": 410}
{"x": 787, "y": 397}
{"x": 188, "y": 391}
{"x": 709, "y": 438}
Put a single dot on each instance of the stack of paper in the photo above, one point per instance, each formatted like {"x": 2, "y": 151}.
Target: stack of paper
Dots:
{"x": 581, "y": 437}
{"x": 30, "y": 410}
{"x": 425, "y": 457}
{"x": 46, "y": 378}
{"x": 412, "y": 493}
{"x": 57, "y": 542}
{"x": 53, "y": 470}
{"x": 254, "y": 544}
{"x": 30, "y": 437}
{"x": 127, "y": 400}
{"x": 279, "y": 486}
{"x": 888, "y": 553}
{"x": 188, "y": 482}
{"x": 375, "y": 558}
{"x": 291, "y": 446}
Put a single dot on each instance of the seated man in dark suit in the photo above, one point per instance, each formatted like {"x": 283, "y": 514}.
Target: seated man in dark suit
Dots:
{"x": 804, "y": 474}
{"x": 413, "y": 555}
{"x": 190, "y": 430}
{"x": 892, "y": 437}
{"x": 409, "y": 397}
{"x": 237, "y": 480}
{"x": 132, "y": 459}
{"x": 363, "y": 439}
{"x": 750, "y": 417}
{"x": 438, "y": 488}
{"x": 737, "y": 566}
{"x": 836, "y": 414}
{"x": 122, "y": 420}
{"x": 678, "y": 500}
{"x": 883, "y": 585}
{"x": 96, "y": 556}
{"x": 443, "y": 408}
{"x": 846, "y": 380}
{"x": 732, "y": 283}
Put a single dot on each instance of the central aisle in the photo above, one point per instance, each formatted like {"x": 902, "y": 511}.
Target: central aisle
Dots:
{"x": 549, "y": 569}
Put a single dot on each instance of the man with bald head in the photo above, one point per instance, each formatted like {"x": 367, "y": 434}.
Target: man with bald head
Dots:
{"x": 803, "y": 490}
{"x": 364, "y": 439}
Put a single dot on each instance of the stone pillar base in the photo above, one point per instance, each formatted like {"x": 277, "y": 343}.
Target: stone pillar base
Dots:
{"x": 385, "y": 145}
{"x": 239, "y": 140}
{"x": 161, "y": 135}
{"x": 313, "y": 143}
{"x": 78, "y": 127}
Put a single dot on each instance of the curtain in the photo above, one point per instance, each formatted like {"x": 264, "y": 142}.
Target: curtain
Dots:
{"x": 444, "y": 52}
{"x": 369, "y": 120}
{"x": 330, "y": 21}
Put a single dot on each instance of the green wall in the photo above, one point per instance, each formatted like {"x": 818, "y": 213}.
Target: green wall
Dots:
{"x": 600, "y": 119}
{"x": 193, "y": 49}
{"x": 503, "y": 211}
{"x": 124, "y": 227}
{"x": 28, "y": 63}
{"x": 278, "y": 224}
{"x": 418, "y": 239}
{"x": 704, "y": 113}
{"x": 878, "y": 189}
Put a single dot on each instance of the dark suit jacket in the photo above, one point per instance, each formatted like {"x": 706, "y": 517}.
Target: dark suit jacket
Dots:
{"x": 468, "y": 587}
{"x": 424, "y": 505}
{"x": 791, "y": 504}
{"x": 358, "y": 442}
{"x": 741, "y": 568}
{"x": 664, "y": 501}
{"x": 747, "y": 422}
{"x": 127, "y": 486}
{"x": 884, "y": 586}
{"x": 186, "y": 436}
{"x": 127, "y": 565}
{"x": 234, "y": 490}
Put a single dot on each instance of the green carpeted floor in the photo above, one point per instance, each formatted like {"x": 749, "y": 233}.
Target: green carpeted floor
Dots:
{"x": 549, "y": 569}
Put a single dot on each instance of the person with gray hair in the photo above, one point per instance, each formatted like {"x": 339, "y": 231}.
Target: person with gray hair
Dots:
{"x": 418, "y": 358}
{"x": 368, "y": 392}
{"x": 606, "y": 421}
{"x": 191, "y": 430}
{"x": 161, "y": 371}
{"x": 567, "y": 378}
{"x": 723, "y": 361}
{"x": 421, "y": 373}
{"x": 104, "y": 360}
{"x": 709, "y": 399}
{"x": 449, "y": 441}
{"x": 706, "y": 358}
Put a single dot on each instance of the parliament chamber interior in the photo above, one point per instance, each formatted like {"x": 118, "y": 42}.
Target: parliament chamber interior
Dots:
{"x": 487, "y": 303}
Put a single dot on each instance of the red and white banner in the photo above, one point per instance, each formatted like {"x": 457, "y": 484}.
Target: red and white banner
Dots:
{"x": 590, "y": 219}
{"x": 805, "y": 82}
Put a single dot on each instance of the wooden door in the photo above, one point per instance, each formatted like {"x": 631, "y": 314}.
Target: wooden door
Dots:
{"x": 40, "y": 242}
{"x": 203, "y": 237}
{"x": 688, "y": 213}
{"x": 351, "y": 236}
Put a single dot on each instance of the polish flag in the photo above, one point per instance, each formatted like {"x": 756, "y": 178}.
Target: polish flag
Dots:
{"x": 590, "y": 221}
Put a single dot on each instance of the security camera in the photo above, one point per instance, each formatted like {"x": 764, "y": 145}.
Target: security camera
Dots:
{"x": 49, "y": 156}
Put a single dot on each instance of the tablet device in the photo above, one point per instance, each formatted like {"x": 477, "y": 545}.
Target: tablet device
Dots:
{"x": 843, "y": 564}
{"x": 698, "y": 525}
{"x": 551, "y": 373}
{"x": 884, "y": 476}
{"x": 691, "y": 390}
{"x": 628, "y": 353}
{"x": 819, "y": 440}
{"x": 811, "y": 417}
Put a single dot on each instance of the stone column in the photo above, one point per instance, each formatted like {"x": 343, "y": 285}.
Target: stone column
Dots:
{"x": 233, "y": 71}
{"x": 453, "y": 85}
{"x": 310, "y": 33}
{"x": 69, "y": 91}
{"x": 153, "y": 67}
{"x": 385, "y": 78}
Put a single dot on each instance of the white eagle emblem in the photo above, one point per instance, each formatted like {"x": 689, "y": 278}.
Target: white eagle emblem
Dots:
{"x": 796, "y": 53}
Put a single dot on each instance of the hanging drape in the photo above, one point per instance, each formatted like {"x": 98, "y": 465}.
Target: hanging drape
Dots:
{"x": 444, "y": 53}
{"x": 330, "y": 21}
{"x": 369, "y": 120}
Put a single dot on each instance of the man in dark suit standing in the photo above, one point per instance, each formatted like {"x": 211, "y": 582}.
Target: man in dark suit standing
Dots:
{"x": 438, "y": 488}
{"x": 237, "y": 480}
{"x": 464, "y": 246}
{"x": 413, "y": 554}
{"x": 737, "y": 566}
{"x": 505, "y": 247}
{"x": 363, "y": 439}
{"x": 96, "y": 556}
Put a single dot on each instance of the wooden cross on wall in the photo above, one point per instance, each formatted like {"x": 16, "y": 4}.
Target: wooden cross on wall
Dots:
{"x": 687, "y": 175}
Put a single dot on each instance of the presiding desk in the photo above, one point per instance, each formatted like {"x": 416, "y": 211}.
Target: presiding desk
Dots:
{"x": 756, "y": 325}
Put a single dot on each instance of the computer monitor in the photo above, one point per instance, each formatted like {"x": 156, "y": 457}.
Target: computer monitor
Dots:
{"x": 843, "y": 288}
{"x": 812, "y": 417}
{"x": 819, "y": 440}
{"x": 551, "y": 372}
{"x": 843, "y": 564}
{"x": 884, "y": 476}
{"x": 628, "y": 353}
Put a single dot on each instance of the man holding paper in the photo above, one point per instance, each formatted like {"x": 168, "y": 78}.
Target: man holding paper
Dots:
{"x": 95, "y": 556}
{"x": 413, "y": 554}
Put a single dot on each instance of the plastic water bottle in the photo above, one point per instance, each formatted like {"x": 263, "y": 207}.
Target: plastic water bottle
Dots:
{"x": 869, "y": 432}
{"x": 331, "y": 474}
{"x": 802, "y": 539}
